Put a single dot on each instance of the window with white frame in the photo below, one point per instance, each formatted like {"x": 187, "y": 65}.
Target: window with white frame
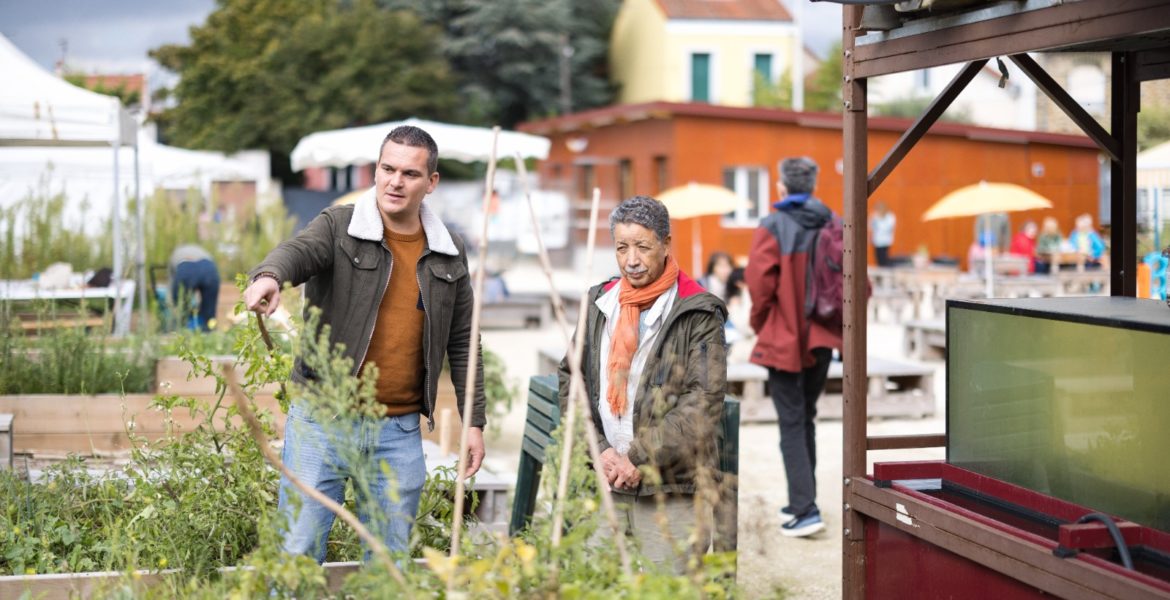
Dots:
{"x": 750, "y": 182}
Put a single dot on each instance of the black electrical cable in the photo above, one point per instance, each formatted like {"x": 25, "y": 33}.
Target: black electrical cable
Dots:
{"x": 1115, "y": 533}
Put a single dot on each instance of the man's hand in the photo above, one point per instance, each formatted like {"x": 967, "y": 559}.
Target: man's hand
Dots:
{"x": 475, "y": 451}
{"x": 609, "y": 461}
{"x": 263, "y": 296}
{"x": 626, "y": 473}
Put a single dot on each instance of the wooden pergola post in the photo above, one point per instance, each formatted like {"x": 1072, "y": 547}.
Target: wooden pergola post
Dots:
{"x": 855, "y": 129}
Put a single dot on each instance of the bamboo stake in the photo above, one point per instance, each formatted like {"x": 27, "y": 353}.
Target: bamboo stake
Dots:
{"x": 376, "y": 546}
{"x": 472, "y": 355}
{"x": 577, "y": 394}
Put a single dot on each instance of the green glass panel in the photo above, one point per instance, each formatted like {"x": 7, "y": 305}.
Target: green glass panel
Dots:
{"x": 1074, "y": 410}
{"x": 701, "y": 77}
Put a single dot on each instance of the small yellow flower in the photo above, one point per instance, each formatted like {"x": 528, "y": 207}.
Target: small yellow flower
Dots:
{"x": 162, "y": 563}
{"x": 15, "y": 531}
{"x": 30, "y": 571}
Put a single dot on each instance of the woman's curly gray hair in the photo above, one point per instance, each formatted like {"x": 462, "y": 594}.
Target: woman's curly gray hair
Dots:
{"x": 644, "y": 211}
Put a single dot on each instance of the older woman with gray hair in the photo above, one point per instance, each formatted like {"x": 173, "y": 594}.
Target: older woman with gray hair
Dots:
{"x": 655, "y": 369}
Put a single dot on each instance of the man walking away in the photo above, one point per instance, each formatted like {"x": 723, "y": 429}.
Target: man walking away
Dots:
{"x": 795, "y": 349}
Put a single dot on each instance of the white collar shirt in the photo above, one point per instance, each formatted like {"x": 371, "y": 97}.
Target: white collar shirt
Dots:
{"x": 619, "y": 429}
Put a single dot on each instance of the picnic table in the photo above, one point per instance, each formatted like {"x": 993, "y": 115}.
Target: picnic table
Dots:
{"x": 27, "y": 290}
{"x": 896, "y": 389}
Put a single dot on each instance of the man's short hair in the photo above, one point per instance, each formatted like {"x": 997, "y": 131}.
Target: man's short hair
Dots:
{"x": 644, "y": 211}
{"x": 799, "y": 175}
{"x": 409, "y": 135}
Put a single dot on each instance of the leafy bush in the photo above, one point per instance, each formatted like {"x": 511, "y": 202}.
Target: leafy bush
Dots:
{"x": 72, "y": 361}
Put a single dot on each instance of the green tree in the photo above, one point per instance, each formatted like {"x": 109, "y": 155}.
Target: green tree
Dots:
{"x": 824, "y": 91}
{"x": 772, "y": 95}
{"x": 1153, "y": 126}
{"x": 265, "y": 73}
{"x": 912, "y": 107}
{"x": 128, "y": 96}
{"x": 507, "y": 54}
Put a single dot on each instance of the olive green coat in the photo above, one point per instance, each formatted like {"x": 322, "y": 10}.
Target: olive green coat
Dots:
{"x": 679, "y": 403}
{"x": 345, "y": 265}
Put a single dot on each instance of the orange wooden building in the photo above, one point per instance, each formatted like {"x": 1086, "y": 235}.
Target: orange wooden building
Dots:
{"x": 646, "y": 148}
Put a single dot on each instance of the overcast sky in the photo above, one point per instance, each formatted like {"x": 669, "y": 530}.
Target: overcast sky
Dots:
{"x": 114, "y": 36}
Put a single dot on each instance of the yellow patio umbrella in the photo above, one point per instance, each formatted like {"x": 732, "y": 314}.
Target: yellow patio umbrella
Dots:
{"x": 984, "y": 198}
{"x": 698, "y": 200}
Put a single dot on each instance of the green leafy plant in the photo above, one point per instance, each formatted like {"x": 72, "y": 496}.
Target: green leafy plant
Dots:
{"x": 70, "y": 360}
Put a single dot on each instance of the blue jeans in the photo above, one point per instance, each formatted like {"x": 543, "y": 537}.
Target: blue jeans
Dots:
{"x": 196, "y": 276}
{"x": 310, "y": 453}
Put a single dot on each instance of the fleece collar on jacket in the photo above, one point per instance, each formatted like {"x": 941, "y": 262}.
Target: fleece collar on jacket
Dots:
{"x": 366, "y": 224}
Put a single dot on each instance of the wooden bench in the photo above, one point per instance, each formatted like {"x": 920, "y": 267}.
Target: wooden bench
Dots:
{"x": 926, "y": 339}
{"x": 896, "y": 389}
{"x": 32, "y": 324}
{"x": 544, "y": 416}
{"x": 893, "y": 300}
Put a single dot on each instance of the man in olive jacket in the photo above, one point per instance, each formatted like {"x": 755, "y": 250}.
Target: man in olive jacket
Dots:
{"x": 392, "y": 284}
{"x": 655, "y": 372}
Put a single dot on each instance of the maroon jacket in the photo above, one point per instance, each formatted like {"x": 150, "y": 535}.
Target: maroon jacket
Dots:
{"x": 777, "y": 275}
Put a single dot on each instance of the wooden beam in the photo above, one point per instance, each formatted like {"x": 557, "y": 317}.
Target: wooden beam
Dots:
{"x": 1059, "y": 26}
{"x": 1153, "y": 65}
{"x": 1022, "y": 557}
{"x": 903, "y": 442}
{"x": 922, "y": 125}
{"x": 854, "y": 381}
{"x": 1071, "y": 107}
{"x": 1123, "y": 180}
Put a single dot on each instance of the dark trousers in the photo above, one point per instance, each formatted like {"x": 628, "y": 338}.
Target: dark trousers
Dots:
{"x": 882, "y": 254}
{"x": 795, "y": 397}
{"x": 196, "y": 276}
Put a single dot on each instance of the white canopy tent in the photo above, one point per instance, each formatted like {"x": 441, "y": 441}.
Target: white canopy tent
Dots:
{"x": 83, "y": 174}
{"x": 359, "y": 145}
{"x": 39, "y": 109}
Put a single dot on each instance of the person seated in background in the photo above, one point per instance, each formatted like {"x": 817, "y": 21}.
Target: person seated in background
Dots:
{"x": 1086, "y": 242}
{"x": 1024, "y": 244}
{"x": 719, "y": 268}
{"x": 740, "y": 336}
{"x": 193, "y": 270}
{"x": 981, "y": 248}
{"x": 1048, "y": 245}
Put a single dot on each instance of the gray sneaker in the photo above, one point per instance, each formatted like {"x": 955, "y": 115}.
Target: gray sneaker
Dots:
{"x": 804, "y": 525}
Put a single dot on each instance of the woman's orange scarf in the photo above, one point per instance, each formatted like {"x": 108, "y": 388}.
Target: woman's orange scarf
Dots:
{"x": 625, "y": 333}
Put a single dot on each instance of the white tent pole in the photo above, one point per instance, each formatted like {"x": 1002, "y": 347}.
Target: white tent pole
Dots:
{"x": 141, "y": 217}
{"x": 116, "y": 280}
{"x": 988, "y": 255}
{"x": 696, "y": 248}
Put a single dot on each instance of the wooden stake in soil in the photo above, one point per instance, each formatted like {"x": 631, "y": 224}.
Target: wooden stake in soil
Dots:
{"x": 473, "y": 353}
{"x": 577, "y": 395}
{"x": 376, "y": 546}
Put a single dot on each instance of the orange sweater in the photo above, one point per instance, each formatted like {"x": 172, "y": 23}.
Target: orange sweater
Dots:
{"x": 397, "y": 343}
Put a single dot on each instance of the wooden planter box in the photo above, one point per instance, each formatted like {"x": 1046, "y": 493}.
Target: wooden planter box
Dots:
{"x": 90, "y": 424}
{"x": 67, "y": 586}
{"x": 57, "y": 423}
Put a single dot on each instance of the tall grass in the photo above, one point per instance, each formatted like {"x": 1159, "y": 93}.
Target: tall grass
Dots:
{"x": 35, "y": 233}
